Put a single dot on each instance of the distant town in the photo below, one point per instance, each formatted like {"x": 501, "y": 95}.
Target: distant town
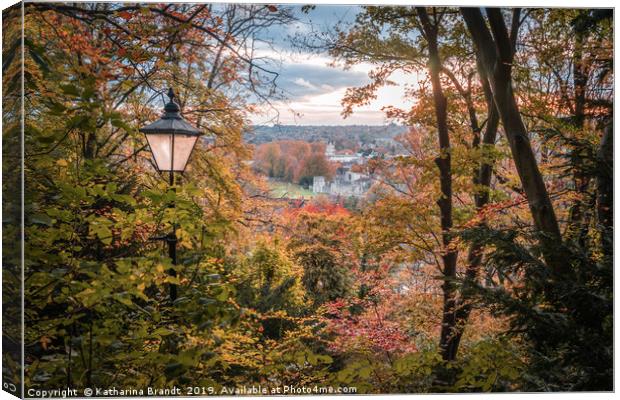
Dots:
{"x": 322, "y": 160}
{"x": 342, "y": 135}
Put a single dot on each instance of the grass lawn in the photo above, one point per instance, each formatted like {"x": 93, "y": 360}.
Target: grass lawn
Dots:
{"x": 289, "y": 190}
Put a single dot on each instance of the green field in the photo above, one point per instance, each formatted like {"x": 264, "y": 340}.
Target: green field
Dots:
{"x": 290, "y": 190}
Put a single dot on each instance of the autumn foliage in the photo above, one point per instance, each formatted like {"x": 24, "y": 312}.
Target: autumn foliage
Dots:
{"x": 293, "y": 161}
{"x": 480, "y": 259}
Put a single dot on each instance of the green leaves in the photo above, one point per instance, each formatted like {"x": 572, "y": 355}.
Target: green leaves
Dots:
{"x": 174, "y": 370}
{"x": 489, "y": 365}
{"x": 42, "y": 219}
{"x": 119, "y": 120}
{"x": 123, "y": 298}
{"x": 70, "y": 89}
{"x": 100, "y": 227}
{"x": 418, "y": 365}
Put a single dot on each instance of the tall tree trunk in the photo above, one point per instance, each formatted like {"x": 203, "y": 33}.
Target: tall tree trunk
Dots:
{"x": 443, "y": 162}
{"x": 577, "y": 227}
{"x": 496, "y": 54}
{"x": 482, "y": 178}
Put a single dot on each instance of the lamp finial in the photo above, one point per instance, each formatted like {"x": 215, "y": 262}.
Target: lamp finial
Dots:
{"x": 171, "y": 109}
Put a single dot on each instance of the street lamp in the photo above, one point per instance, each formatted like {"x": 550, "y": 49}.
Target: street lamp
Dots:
{"x": 171, "y": 139}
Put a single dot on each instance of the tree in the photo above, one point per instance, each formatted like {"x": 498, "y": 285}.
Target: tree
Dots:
{"x": 321, "y": 247}
{"x": 316, "y": 164}
{"x": 496, "y": 54}
{"x": 304, "y": 292}
{"x": 383, "y": 36}
{"x": 293, "y": 161}
{"x": 96, "y": 282}
{"x": 269, "y": 159}
{"x": 562, "y": 307}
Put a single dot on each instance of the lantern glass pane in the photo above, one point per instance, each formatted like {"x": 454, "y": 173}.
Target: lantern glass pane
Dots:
{"x": 162, "y": 149}
{"x": 183, "y": 146}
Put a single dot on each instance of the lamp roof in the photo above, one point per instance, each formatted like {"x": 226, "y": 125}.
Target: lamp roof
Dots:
{"x": 171, "y": 121}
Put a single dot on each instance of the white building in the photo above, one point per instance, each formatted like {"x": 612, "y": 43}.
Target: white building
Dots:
{"x": 318, "y": 184}
{"x": 330, "y": 149}
{"x": 345, "y": 158}
{"x": 332, "y": 155}
{"x": 345, "y": 183}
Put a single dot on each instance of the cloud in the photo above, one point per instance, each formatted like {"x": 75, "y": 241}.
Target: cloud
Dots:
{"x": 314, "y": 89}
{"x": 304, "y": 83}
{"x": 323, "y": 17}
{"x": 300, "y": 81}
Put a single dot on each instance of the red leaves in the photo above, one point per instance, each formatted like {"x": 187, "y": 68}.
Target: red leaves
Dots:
{"x": 373, "y": 322}
{"x": 325, "y": 208}
{"x": 372, "y": 330}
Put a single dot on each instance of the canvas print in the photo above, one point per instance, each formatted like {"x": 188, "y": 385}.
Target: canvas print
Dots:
{"x": 210, "y": 199}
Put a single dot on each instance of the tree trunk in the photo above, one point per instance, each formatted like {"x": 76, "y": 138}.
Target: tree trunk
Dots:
{"x": 578, "y": 221}
{"x": 496, "y": 54}
{"x": 443, "y": 162}
{"x": 474, "y": 257}
{"x": 605, "y": 190}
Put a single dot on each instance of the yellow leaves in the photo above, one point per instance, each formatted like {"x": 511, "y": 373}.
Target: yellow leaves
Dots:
{"x": 184, "y": 238}
{"x": 87, "y": 297}
{"x": 160, "y": 63}
{"x": 162, "y": 332}
{"x": 172, "y": 280}
{"x": 62, "y": 163}
{"x": 123, "y": 298}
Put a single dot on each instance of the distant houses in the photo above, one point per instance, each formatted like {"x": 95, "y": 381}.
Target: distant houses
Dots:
{"x": 346, "y": 147}
{"x": 346, "y": 182}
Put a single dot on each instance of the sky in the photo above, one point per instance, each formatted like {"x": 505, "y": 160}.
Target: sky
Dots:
{"x": 313, "y": 89}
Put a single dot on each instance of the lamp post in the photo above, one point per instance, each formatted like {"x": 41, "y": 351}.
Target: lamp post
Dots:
{"x": 171, "y": 139}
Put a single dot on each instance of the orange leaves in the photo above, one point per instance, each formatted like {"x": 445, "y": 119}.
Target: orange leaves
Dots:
{"x": 490, "y": 210}
{"x": 396, "y": 113}
{"x": 333, "y": 209}
{"x": 361, "y": 96}
{"x": 45, "y": 341}
{"x": 125, "y": 15}
{"x": 293, "y": 161}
